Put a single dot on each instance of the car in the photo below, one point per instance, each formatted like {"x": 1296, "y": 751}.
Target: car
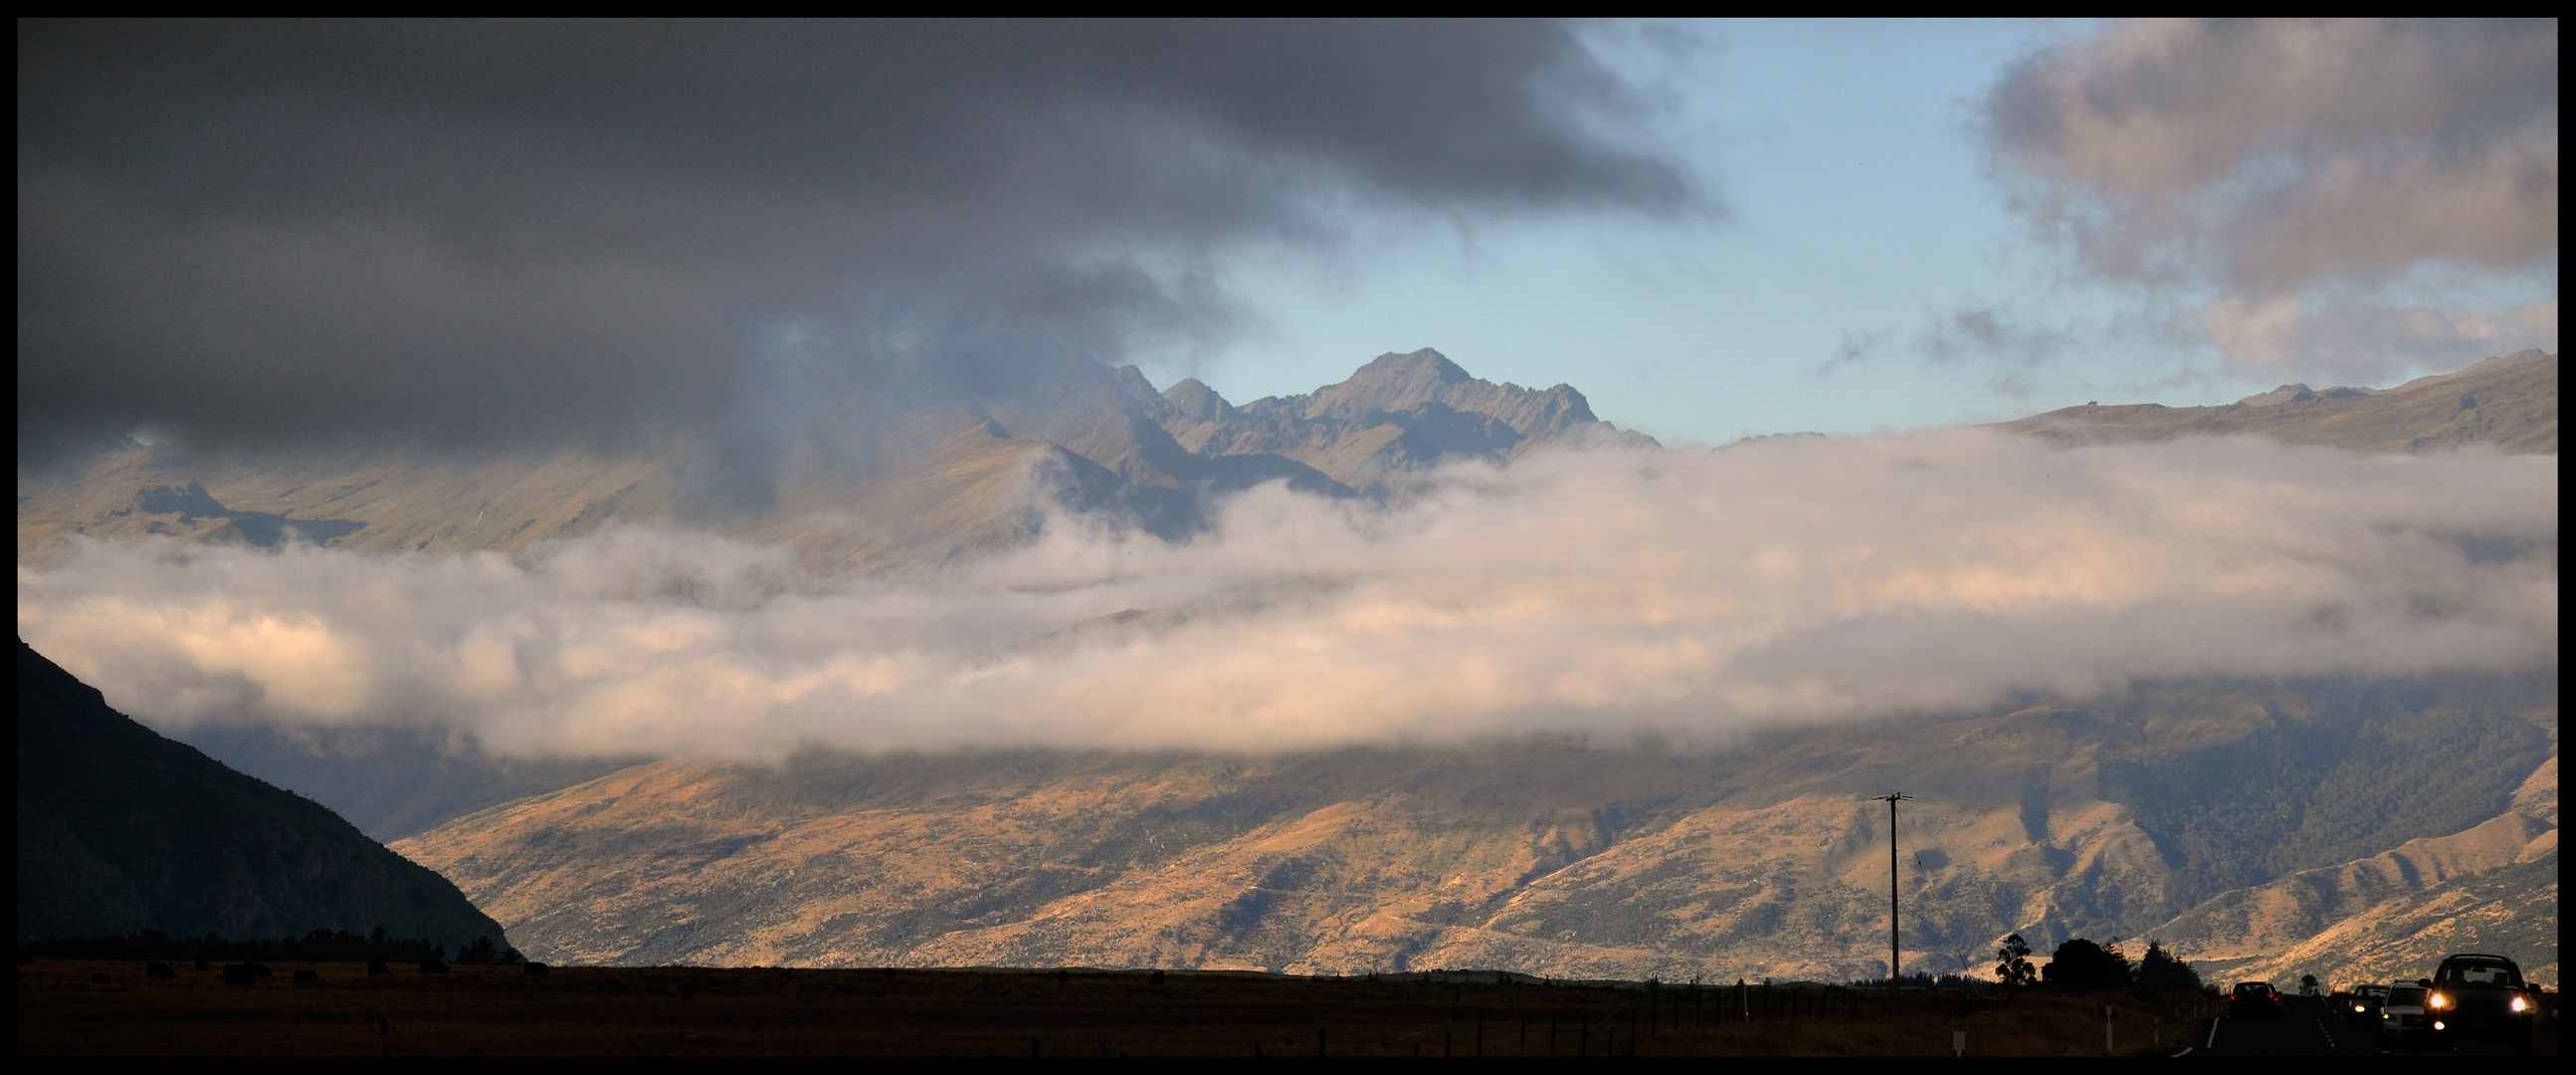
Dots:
{"x": 2361, "y": 1008}
{"x": 2254, "y": 1000}
{"x": 2402, "y": 1016}
{"x": 2480, "y": 997}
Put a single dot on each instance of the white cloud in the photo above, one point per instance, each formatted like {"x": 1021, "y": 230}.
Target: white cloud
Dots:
{"x": 2261, "y": 335}
{"x": 2299, "y": 176}
{"x": 2365, "y": 341}
{"x": 2287, "y": 151}
{"x": 1687, "y": 590}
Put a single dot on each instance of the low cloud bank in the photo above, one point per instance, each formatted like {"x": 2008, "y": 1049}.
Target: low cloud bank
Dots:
{"x": 1689, "y": 591}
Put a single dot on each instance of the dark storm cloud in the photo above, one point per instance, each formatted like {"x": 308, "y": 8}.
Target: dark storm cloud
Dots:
{"x": 463, "y": 231}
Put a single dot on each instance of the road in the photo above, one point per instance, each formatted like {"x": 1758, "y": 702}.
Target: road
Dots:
{"x": 2305, "y": 1028}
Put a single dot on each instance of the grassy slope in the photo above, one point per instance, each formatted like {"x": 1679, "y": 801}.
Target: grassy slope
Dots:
{"x": 1545, "y": 856}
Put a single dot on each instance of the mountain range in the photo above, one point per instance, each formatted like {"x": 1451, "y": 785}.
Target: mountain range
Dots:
{"x": 922, "y": 484}
{"x": 2351, "y": 828}
{"x": 902, "y": 491}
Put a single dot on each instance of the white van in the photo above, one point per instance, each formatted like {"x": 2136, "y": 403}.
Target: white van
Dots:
{"x": 2402, "y": 1018}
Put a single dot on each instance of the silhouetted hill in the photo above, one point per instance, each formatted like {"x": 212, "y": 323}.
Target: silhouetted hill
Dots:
{"x": 122, "y": 830}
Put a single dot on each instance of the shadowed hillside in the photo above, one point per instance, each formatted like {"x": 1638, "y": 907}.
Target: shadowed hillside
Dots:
{"x": 121, "y": 830}
{"x": 391, "y": 782}
{"x": 2489, "y": 888}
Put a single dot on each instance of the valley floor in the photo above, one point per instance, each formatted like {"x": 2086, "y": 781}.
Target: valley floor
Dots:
{"x": 64, "y": 1009}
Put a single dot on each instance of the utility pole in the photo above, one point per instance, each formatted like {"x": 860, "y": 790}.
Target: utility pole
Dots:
{"x": 1895, "y": 948}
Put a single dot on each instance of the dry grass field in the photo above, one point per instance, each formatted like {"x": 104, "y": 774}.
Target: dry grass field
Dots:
{"x": 63, "y": 1010}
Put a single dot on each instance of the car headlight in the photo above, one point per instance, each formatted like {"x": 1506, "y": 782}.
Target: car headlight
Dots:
{"x": 2437, "y": 1000}
{"x": 2521, "y": 1005}
{"x": 2358, "y": 1007}
{"x": 2437, "y": 1024}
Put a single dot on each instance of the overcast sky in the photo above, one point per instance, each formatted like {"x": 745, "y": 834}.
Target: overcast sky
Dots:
{"x": 473, "y": 233}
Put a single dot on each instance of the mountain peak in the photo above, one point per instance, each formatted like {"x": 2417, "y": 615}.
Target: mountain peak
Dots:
{"x": 2288, "y": 393}
{"x": 1394, "y": 382}
{"x": 1425, "y": 365}
{"x": 1194, "y": 399}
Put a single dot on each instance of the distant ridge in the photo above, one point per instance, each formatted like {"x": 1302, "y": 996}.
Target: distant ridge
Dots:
{"x": 901, "y": 488}
{"x": 121, "y": 830}
{"x": 2510, "y": 401}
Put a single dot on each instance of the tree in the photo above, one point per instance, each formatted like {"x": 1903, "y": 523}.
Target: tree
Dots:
{"x": 2080, "y": 965}
{"x": 2012, "y": 963}
{"x": 2159, "y": 968}
{"x": 478, "y": 953}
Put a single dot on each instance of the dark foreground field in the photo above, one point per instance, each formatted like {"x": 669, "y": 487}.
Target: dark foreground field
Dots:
{"x": 600, "y": 1010}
